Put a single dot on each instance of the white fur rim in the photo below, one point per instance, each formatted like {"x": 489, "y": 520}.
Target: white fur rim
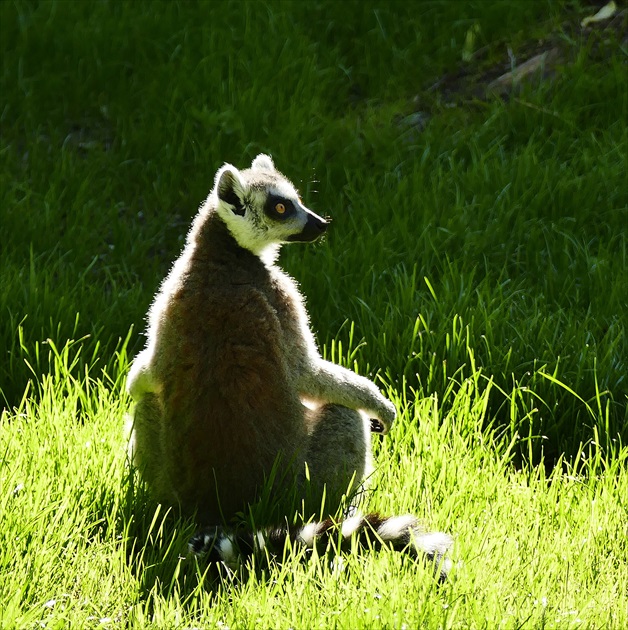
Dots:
{"x": 394, "y": 527}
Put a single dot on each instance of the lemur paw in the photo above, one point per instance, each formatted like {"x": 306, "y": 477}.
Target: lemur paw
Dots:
{"x": 376, "y": 426}
{"x": 384, "y": 418}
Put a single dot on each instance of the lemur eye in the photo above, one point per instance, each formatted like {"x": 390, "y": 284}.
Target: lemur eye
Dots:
{"x": 280, "y": 208}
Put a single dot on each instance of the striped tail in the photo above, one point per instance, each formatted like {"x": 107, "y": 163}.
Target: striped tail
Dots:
{"x": 401, "y": 533}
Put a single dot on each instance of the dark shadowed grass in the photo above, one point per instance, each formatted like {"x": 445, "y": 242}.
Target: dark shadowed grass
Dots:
{"x": 491, "y": 226}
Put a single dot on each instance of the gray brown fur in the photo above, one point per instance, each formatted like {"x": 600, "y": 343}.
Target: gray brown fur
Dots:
{"x": 230, "y": 361}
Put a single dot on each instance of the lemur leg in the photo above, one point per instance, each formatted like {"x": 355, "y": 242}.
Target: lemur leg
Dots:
{"x": 145, "y": 449}
{"x": 338, "y": 457}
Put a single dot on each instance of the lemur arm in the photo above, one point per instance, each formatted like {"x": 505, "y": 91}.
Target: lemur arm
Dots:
{"x": 140, "y": 380}
{"x": 326, "y": 382}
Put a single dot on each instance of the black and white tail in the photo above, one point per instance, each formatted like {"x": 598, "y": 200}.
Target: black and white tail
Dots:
{"x": 402, "y": 533}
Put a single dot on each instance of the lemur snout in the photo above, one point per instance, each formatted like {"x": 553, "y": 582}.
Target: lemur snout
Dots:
{"x": 314, "y": 227}
{"x": 316, "y": 224}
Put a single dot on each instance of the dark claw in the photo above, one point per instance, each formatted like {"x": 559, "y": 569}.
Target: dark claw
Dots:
{"x": 376, "y": 426}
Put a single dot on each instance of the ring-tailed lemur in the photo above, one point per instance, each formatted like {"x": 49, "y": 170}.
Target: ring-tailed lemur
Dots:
{"x": 231, "y": 383}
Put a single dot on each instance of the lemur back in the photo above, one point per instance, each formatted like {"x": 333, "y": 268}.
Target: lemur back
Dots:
{"x": 231, "y": 392}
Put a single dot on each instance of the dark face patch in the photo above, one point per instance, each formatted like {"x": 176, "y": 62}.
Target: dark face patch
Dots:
{"x": 279, "y": 208}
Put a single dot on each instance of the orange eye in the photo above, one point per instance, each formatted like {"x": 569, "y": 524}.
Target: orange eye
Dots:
{"x": 280, "y": 208}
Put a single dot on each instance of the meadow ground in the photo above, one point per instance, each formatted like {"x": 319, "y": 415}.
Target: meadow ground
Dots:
{"x": 476, "y": 266}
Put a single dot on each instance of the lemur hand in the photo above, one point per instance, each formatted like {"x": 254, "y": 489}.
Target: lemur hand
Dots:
{"x": 382, "y": 418}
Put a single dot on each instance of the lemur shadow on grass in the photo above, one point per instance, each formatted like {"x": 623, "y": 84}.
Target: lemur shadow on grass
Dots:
{"x": 155, "y": 537}
{"x": 157, "y": 545}
{"x": 157, "y": 541}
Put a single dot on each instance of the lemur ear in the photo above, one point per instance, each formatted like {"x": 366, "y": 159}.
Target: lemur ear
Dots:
{"x": 230, "y": 188}
{"x": 263, "y": 162}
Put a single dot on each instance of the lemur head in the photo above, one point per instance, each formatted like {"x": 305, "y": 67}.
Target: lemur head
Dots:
{"x": 262, "y": 209}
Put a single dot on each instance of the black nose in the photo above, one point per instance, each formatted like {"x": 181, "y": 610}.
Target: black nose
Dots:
{"x": 318, "y": 223}
{"x": 314, "y": 227}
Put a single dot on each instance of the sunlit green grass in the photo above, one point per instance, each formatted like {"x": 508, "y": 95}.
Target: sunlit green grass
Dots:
{"x": 476, "y": 263}
{"x": 81, "y": 545}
